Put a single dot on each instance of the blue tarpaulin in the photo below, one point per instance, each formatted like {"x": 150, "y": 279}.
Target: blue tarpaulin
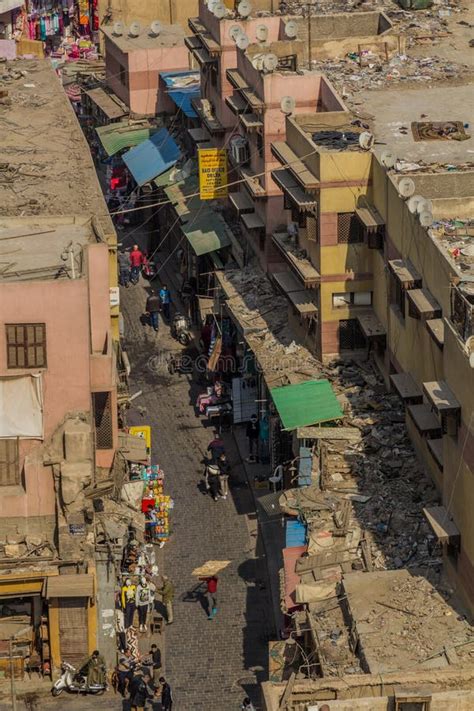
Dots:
{"x": 152, "y": 157}
{"x": 180, "y": 93}
{"x": 295, "y": 534}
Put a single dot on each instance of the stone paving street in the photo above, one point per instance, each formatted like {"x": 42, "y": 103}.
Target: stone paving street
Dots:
{"x": 207, "y": 662}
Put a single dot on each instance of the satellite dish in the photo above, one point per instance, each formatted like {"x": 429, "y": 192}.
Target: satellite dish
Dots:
{"x": 257, "y": 62}
{"x": 426, "y": 219}
{"x": 270, "y": 62}
{"x": 118, "y": 29}
{"x": 261, "y": 32}
{"x": 287, "y": 105}
{"x": 155, "y": 28}
{"x": 291, "y": 29}
{"x": 366, "y": 140}
{"x": 424, "y": 206}
{"x": 220, "y": 10}
{"x": 388, "y": 159}
{"x": 211, "y": 5}
{"x": 242, "y": 41}
{"x": 413, "y": 203}
{"x": 134, "y": 29}
{"x": 244, "y": 8}
{"x": 406, "y": 187}
{"x": 235, "y": 31}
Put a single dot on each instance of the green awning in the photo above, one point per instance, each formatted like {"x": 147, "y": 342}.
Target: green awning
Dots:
{"x": 117, "y": 136}
{"x": 306, "y": 403}
{"x": 206, "y": 234}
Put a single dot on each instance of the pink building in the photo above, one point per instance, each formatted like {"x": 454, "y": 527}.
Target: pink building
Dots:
{"x": 133, "y": 64}
{"x": 57, "y": 362}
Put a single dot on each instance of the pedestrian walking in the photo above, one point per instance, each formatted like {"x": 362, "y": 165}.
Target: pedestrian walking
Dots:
{"x": 224, "y": 471}
{"x": 252, "y": 432}
{"x": 153, "y": 306}
{"x": 124, "y": 269}
{"x": 165, "y": 298}
{"x": 144, "y": 600}
{"x": 136, "y": 261}
{"x": 247, "y": 705}
{"x": 211, "y": 595}
{"x": 125, "y": 672}
{"x": 212, "y": 480}
{"x": 155, "y": 656}
{"x": 167, "y": 595}
{"x": 216, "y": 447}
{"x": 166, "y": 696}
{"x": 140, "y": 691}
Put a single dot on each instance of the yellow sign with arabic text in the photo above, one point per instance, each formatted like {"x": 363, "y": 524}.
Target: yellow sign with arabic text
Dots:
{"x": 212, "y": 173}
{"x": 144, "y": 432}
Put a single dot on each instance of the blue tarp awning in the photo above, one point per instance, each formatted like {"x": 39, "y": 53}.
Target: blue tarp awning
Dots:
{"x": 182, "y": 92}
{"x": 295, "y": 534}
{"x": 152, "y": 157}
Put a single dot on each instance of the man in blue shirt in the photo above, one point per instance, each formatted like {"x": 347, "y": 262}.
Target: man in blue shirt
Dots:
{"x": 165, "y": 298}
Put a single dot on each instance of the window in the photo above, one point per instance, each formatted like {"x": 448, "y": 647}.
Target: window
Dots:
{"x": 351, "y": 337}
{"x": 26, "y": 345}
{"x": 413, "y": 703}
{"x": 311, "y": 228}
{"x": 397, "y": 295}
{"x": 351, "y": 298}
{"x": 349, "y": 228}
{"x": 102, "y": 408}
{"x": 9, "y": 462}
{"x": 123, "y": 76}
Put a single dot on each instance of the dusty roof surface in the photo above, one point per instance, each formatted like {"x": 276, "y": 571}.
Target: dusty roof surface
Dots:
{"x": 170, "y": 36}
{"x": 46, "y": 163}
{"x": 40, "y": 249}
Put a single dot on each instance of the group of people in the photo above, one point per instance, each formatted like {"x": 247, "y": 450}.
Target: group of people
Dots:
{"x": 130, "y": 265}
{"x": 217, "y": 469}
{"x": 156, "y": 303}
{"x": 142, "y": 680}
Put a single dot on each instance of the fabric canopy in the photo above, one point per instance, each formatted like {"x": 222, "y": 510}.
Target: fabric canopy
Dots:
{"x": 117, "y": 136}
{"x": 152, "y": 157}
{"x": 206, "y": 235}
{"x": 21, "y": 414}
{"x": 182, "y": 88}
{"x": 306, "y": 403}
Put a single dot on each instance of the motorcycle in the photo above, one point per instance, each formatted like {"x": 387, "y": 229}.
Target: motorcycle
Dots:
{"x": 75, "y": 682}
{"x": 181, "y": 329}
{"x": 149, "y": 270}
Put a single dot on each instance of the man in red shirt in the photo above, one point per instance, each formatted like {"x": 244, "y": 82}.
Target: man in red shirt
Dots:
{"x": 136, "y": 260}
{"x": 211, "y": 596}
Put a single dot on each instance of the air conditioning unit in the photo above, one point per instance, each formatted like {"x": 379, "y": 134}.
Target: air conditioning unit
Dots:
{"x": 239, "y": 150}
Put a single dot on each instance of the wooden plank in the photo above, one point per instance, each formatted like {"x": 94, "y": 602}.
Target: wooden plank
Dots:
{"x": 442, "y": 525}
{"x": 287, "y": 693}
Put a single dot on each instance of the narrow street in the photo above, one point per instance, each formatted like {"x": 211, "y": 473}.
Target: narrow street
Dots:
{"x": 208, "y": 663}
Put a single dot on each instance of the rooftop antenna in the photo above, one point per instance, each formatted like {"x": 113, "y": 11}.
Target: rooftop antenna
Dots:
{"x": 406, "y": 187}
{"x": 155, "y": 28}
{"x": 118, "y": 29}
{"x": 287, "y": 105}
{"x": 291, "y": 29}
{"x": 134, "y": 29}
{"x": 388, "y": 159}
{"x": 244, "y": 8}
{"x": 242, "y": 41}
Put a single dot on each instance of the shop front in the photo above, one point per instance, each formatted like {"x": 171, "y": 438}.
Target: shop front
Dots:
{"x": 45, "y": 618}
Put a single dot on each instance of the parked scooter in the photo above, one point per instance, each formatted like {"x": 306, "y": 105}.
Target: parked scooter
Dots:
{"x": 148, "y": 269}
{"x": 181, "y": 329}
{"x": 74, "y": 682}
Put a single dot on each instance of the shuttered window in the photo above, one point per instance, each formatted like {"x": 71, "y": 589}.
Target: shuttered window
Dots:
{"x": 26, "y": 345}
{"x": 312, "y": 228}
{"x": 73, "y": 629}
{"x": 9, "y": 462}
{"x": 349, "y": 228}
{"x": 102, "y": 408}
{"x": 351, "y": 337}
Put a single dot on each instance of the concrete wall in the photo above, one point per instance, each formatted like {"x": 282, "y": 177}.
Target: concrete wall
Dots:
{"x": 167, "y": 11}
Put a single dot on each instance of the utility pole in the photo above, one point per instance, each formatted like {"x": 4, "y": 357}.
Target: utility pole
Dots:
{"x": 12, "y": 675}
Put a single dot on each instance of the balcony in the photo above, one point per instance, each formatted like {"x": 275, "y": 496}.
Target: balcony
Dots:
{"x": 299, "y": 264}
{"x": 373, "y": 329}
{"x": 298, "y": 197}
{"x": 252, "y": 184}
{"x": 300, "y": 299}
{"x": 251, "y": 121}
{"x": 290, "y": 160}
{"x": 206, "y": 114}
{"x": 205, "y": 37}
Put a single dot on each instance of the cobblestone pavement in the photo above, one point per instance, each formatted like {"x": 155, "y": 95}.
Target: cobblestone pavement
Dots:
{"x": 210, "y": 664}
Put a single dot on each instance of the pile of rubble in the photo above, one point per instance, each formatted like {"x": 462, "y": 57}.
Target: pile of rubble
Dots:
{"x": 26, "y": 546}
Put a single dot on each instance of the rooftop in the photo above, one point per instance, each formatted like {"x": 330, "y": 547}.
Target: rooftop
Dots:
{"x": 170, "y": 36}
{"x": 47, "y": 167}
{"x": 40, "y": 249}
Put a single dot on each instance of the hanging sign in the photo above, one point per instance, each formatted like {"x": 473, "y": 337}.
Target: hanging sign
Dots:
{"x": 212, "y": 173}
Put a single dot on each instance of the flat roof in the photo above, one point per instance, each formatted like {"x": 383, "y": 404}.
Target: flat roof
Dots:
{"x": 170, "y": 36}
{"x": 49, "y": 168}
{"x": 42, "y": 249}
{"x": 392, "y": 111}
